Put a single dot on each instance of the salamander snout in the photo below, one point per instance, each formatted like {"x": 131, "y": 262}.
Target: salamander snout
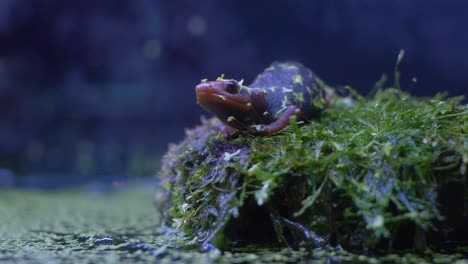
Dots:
{"x": 201, "y": 86}
{"x": 206, "y": 90}
{"x": 209, "y": 87}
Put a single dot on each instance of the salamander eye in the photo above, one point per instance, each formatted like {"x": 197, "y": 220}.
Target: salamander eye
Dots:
{"x": 232, "y": 87}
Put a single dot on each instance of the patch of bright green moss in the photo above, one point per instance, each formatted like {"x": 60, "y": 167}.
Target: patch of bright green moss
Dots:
{"x": 388, "y": 172}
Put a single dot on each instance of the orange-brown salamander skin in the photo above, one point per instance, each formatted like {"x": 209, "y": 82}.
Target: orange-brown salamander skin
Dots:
{"x": 280, "y": 92}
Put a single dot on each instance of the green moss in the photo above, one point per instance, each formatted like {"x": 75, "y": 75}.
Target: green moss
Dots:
{"x": 371, "y": 175}
{"x": 77, "y": 226}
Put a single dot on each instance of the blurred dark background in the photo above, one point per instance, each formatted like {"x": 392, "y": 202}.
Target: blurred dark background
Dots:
{"x": 95, "y": 90}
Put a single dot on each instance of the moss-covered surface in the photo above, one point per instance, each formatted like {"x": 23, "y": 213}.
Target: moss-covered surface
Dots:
{"x": 72, "y": 225}
{"x": 388, "y": 173}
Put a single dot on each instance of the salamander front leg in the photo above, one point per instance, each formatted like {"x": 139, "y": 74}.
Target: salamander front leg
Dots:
{"x": 282, "y": 122}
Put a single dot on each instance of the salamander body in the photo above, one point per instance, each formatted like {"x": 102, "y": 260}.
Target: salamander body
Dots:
{"x": 266, "y": 105}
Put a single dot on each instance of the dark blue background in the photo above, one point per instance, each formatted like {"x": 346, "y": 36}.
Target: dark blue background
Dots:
{"x": 95, "y": 89}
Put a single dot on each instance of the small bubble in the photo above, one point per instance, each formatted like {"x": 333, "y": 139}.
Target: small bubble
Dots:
{"x": 196, "y": 25}
{"x": 152, "y": 49}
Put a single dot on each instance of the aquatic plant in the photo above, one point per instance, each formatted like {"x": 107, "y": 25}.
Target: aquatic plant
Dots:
{"x": 388, "y": 172}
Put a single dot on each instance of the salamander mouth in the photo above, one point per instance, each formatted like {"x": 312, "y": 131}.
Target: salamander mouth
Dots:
{"x": 208, "y": 98}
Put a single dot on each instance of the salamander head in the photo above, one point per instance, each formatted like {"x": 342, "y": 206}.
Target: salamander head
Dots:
{"x": 227, "y": 100}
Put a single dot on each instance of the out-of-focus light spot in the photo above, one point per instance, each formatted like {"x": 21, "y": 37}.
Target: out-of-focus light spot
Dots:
{"x": 152, "y": 49}
{"x": 196, "y": 25}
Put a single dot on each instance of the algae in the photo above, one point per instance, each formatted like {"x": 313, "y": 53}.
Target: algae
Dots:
{"x": 121, "y": 226}
{"x": 76, "y": 225}
{"x": 385, "y": 174}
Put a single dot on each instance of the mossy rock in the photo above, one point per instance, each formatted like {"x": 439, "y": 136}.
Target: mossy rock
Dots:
{"x": 389, "y": 172}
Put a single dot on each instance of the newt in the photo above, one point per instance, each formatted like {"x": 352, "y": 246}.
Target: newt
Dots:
{"x": 281, "y": 91}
